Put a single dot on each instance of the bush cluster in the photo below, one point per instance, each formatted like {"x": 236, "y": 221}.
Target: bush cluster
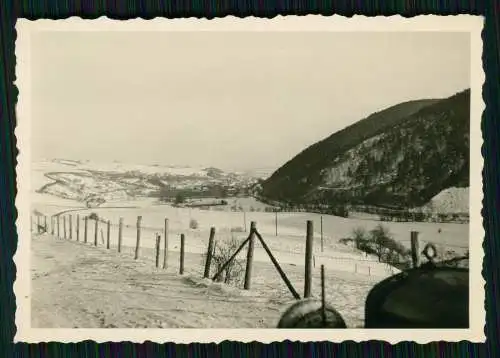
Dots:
{"x": 193, "y": 224}
{"x": 234, "y": 272}
{"x": 379, "y": 242}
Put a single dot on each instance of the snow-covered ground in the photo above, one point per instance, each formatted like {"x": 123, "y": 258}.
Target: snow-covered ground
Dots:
{"x": 94, "y": 183}
{"x": 74, "y": 274}
{"x": 451, "y": 200}
{"x": 289, "y": 244}
{"x": 75, "y": 285}
{"x": 119, "y": 167}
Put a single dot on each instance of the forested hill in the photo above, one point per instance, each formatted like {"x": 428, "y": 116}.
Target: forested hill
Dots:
{"x": 399, "y": 157}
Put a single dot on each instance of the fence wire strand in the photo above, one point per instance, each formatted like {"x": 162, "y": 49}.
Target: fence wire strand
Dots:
{"x": 274, "y": 246}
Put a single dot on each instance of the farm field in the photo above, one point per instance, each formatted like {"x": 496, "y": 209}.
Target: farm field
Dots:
{"x": 288, "y": 246}
{"x": 450, "y": 235}
{"x": 291, "y": 226}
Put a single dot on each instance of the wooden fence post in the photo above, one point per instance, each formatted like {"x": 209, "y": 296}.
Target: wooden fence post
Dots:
{"x": 181, "y": 263}
{"x": 308, "y": 259}
{"x": 64, "y": 226}
{"x": 215, "y": 246}
{"x": 415, "y": 249}
{"x": 96, "y": 231}
{"x": 52, "y": 224}
{"x": 157, "y": 247}
{"x": 108, "y": 234}
{"x": 248, "y": 270}
{"x": 138, "y": 241}
{"x": 45, "y": 223}
{"x": 165, "y": 244}
{"x": 77, "y": 227}
{"x": 85, "y": 228}
{"x": 70, "y": 226}
{"x": 58, "y": 226}
{"x": 210, "y": 249}
{"x": 120, "y": 233}
{"x": 38, "y": 224}
{"x": 323, "y": 298}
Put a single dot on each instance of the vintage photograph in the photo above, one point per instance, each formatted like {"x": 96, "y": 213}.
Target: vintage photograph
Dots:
{"x": 248, "y": 179}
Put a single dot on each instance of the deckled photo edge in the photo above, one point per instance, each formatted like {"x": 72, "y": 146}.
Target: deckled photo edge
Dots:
{"x": 22, "y": 283}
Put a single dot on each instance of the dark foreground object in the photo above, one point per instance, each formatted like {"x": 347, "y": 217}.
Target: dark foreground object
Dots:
{"x": 420, "y": 298}
{"x": 308, "y": 313}
{"x": 427, "y": 297}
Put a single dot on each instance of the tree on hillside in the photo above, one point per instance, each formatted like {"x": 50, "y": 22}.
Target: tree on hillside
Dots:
{"x": 363, "y": 173}
{"x": 380, "y": 237}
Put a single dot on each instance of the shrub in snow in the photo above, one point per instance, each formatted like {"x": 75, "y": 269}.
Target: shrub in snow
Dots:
{"x": 234, "y": 272}
{"x": 180, "y": 198}
{"x": 193, "y": 224}
{"x": 359, "y": 236}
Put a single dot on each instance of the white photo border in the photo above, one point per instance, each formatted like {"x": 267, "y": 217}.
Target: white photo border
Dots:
{"x": 314, "y": 23}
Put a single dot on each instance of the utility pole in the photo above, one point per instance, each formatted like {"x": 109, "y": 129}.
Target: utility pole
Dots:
{"x": 276, "y": 221}
{"x": 321, "y": 222}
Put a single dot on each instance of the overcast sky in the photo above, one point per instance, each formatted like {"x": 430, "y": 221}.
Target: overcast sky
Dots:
{"x": 230, "y": 100}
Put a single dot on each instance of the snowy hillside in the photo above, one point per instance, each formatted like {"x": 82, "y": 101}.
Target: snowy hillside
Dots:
{"x": 451, "y": 200}
{"x": 95, "y": 183}
{"x": 400, "y": 158}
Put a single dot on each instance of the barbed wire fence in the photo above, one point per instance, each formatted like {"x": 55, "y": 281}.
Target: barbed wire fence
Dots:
{"x": 99, "y": 231}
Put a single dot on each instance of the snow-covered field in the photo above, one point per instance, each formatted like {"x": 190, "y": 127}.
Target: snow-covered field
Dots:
{"x": 76, "y": 285}
{"x": 95, "y": 183}
{"x": 351, "y": 272}
{"x": 70, "y": 165}
{"x": 288, "y": 244}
